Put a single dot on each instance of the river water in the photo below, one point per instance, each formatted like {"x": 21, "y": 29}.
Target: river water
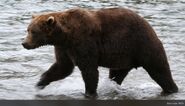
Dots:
{"x": 20, "y": 69}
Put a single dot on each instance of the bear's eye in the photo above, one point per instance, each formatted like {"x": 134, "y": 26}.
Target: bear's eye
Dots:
{"x": 33, "y": 32}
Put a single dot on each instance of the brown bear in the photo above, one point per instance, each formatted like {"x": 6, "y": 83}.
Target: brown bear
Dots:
{"x": 116, "y": 38}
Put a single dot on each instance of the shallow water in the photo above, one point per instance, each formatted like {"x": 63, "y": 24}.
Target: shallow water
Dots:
{"x": 20, "y": 69}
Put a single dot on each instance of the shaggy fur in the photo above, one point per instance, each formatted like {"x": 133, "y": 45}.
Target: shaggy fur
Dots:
{"x": 115, "y": 38}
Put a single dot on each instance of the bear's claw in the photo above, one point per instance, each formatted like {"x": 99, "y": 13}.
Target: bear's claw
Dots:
{"x": 40, "y": 87}
{"x": 91, "y": 96}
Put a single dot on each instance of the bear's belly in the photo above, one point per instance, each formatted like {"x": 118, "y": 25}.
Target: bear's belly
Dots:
{"x": 115, "y": 61}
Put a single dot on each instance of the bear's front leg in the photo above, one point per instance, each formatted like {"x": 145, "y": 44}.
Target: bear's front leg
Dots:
{"x": 46, "y": 77}
{"x": 55, "y": 72}
{"x": 85, "y": 56}
{"x": 90, "y": 76}
{"x": 59, "y": 70}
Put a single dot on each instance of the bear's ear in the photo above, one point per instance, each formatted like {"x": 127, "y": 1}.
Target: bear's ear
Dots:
{"x": 50, "y": 20}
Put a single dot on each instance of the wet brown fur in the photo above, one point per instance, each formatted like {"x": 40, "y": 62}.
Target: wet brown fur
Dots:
{"x": 115, "y": 38}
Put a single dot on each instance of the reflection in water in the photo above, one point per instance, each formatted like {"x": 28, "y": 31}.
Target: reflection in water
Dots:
{"x": 20, "y": 69}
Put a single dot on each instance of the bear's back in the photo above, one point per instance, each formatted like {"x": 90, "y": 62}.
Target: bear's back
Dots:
{"x": 125, "y": 37}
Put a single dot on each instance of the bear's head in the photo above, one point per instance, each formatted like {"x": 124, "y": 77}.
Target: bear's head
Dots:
{"x": 63, "y": 29}
{"x": 40, "y": 32}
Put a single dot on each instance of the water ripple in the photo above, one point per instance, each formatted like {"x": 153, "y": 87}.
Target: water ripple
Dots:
{"x": 20, "y": 69}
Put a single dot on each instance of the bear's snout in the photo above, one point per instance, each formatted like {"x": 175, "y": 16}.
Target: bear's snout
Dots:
{"x": 26, "y": 45}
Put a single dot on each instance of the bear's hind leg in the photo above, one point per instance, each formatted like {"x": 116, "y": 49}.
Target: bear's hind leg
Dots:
{"x": 162, "y": 75}
{"x": 118, "y": 75}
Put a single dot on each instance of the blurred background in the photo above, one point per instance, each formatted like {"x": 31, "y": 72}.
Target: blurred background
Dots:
{"x": 20, "y": 69}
